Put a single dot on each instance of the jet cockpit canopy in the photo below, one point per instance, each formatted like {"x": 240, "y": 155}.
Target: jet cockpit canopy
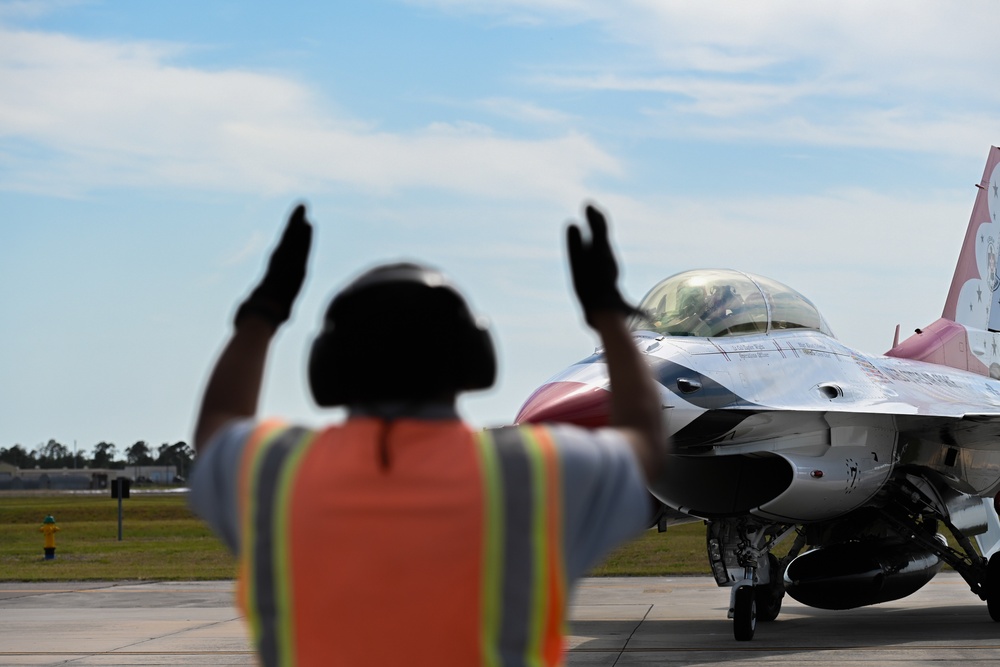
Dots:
{"x": 722, "y": 302}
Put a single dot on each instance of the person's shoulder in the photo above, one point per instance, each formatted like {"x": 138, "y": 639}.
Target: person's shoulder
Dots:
{"x": 233, "y": 434}
{"x": 571, "y": 433}
{"x": 572, "y": 441}
{"x": 226, "y": 447}
{"x": 591, "y": 443}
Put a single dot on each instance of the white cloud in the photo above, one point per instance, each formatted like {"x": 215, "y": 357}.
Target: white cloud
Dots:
{"x": 726, "y": 98}
{"x": 522, "y": 111}
{"x": 845, "y": 227}
{"x": 900, "y": 44}
{"x": 956, "y": 133}
{"x": 915, "y": 74}
{"x": 913, "y": 36}
{"x": 79, "y": 114}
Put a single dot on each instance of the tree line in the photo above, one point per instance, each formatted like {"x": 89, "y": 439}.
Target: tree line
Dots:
{"x": 54, "y": 454}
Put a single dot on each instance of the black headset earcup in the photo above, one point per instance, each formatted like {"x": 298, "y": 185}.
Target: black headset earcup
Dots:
{"x": 480, "y": 353}
{"x": 399, "y": 332}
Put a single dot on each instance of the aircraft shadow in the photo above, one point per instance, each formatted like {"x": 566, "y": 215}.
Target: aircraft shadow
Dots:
{"x": 804, "y": 630}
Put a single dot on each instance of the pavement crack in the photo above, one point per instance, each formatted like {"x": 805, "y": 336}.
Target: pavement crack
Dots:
{"x": 649, "y": 608}
{"x": 125, "y": 647}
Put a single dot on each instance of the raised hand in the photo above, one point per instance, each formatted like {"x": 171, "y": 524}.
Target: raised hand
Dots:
{"x": 273, "y": 297}
{"x": 595, "y": 271}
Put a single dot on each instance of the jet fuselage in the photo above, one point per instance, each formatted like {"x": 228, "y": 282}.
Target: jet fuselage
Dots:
{"x": 797, "y": 427}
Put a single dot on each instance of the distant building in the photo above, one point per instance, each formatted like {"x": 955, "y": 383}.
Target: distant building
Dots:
{"x": 151, "y": 474}
{"x": 16, "y": 479}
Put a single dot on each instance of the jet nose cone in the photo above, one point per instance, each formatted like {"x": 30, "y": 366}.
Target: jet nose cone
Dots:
{"x": 567, "y": 402}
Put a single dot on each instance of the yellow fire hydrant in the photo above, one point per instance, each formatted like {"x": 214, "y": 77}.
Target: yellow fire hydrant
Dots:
{"x": 49, "y": 528}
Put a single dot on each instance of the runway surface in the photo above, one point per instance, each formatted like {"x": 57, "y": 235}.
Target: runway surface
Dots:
{"x": 614, "y": 621}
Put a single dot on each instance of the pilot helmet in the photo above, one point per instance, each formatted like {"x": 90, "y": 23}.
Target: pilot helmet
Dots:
{"x": 399, "y": 332}
{"x": 690, "y": 300}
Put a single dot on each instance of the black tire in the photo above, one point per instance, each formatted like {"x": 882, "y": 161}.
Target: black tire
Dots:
{"x": 769, "y": 596}
{"x": 768, "y": 603}
{"x": 992, "y": 586}
{"x": 744, "y": 614}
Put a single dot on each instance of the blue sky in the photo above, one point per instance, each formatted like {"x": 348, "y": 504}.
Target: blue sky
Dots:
{"x": 149, "y": 153}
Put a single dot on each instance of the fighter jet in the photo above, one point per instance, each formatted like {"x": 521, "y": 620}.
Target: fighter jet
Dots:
{"x": 783, "y": 435}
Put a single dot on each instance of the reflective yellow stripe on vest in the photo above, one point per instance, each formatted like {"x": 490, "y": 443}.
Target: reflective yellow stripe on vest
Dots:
{"x": 265, "y": 549}
{"x": 524, "y": 578}
{"x": 492, "y": 549}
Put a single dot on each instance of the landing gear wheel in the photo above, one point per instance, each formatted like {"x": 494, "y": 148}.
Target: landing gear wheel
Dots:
{"x": 744, "y": 614}
{"x": 768, "y": 597}
{"x": 993, "y": 586}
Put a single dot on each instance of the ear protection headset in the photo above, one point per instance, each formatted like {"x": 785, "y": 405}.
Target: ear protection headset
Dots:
{"x": 399, "y": 332}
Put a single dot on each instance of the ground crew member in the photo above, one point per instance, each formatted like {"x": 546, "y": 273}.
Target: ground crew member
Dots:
{"x": 402, "y": 536}
{"x": 49, "y": 529}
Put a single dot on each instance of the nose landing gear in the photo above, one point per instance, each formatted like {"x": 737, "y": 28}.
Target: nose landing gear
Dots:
{"x": 744, "y": 612}
{"x": 740, "y": 557}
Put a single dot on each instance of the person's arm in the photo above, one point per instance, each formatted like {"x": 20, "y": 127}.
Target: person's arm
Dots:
{"x": 635, "y": 401}
{"x": 234, "y": 383}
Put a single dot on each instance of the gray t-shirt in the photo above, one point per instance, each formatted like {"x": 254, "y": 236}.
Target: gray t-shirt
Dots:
{"x": 605, "y": 501}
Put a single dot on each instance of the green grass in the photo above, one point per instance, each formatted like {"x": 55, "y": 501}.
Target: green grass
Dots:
{"x": 162, "y": 539}
{"x": 680, "y": 550}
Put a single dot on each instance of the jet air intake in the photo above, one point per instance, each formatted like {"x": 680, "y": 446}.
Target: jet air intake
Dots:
{"x": 855, "y": 574}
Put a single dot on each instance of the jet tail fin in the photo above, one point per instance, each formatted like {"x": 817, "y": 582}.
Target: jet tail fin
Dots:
{"x": 972, "y": 300}
{"x": 966, "y": 336}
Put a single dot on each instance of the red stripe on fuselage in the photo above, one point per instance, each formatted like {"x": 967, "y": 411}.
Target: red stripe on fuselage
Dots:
{"x": 567, "y": 402}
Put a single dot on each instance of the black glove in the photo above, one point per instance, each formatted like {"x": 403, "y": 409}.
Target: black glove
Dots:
{"x": 595, "y": 272}
{"x": 273, "y": 297}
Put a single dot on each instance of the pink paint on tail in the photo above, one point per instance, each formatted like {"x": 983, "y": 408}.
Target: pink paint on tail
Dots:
{"x": 966, "y": 336}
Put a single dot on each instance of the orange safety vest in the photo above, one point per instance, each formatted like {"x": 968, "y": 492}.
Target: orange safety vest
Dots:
{"x": 448, "y": 553}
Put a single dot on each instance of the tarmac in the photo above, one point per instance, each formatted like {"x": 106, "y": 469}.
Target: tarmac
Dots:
{"x": 614, "y": 621}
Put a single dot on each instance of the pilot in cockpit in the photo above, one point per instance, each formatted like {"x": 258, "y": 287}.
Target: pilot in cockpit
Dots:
{"x": 724, "y": 304}
{"x": 687, "y": 320}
